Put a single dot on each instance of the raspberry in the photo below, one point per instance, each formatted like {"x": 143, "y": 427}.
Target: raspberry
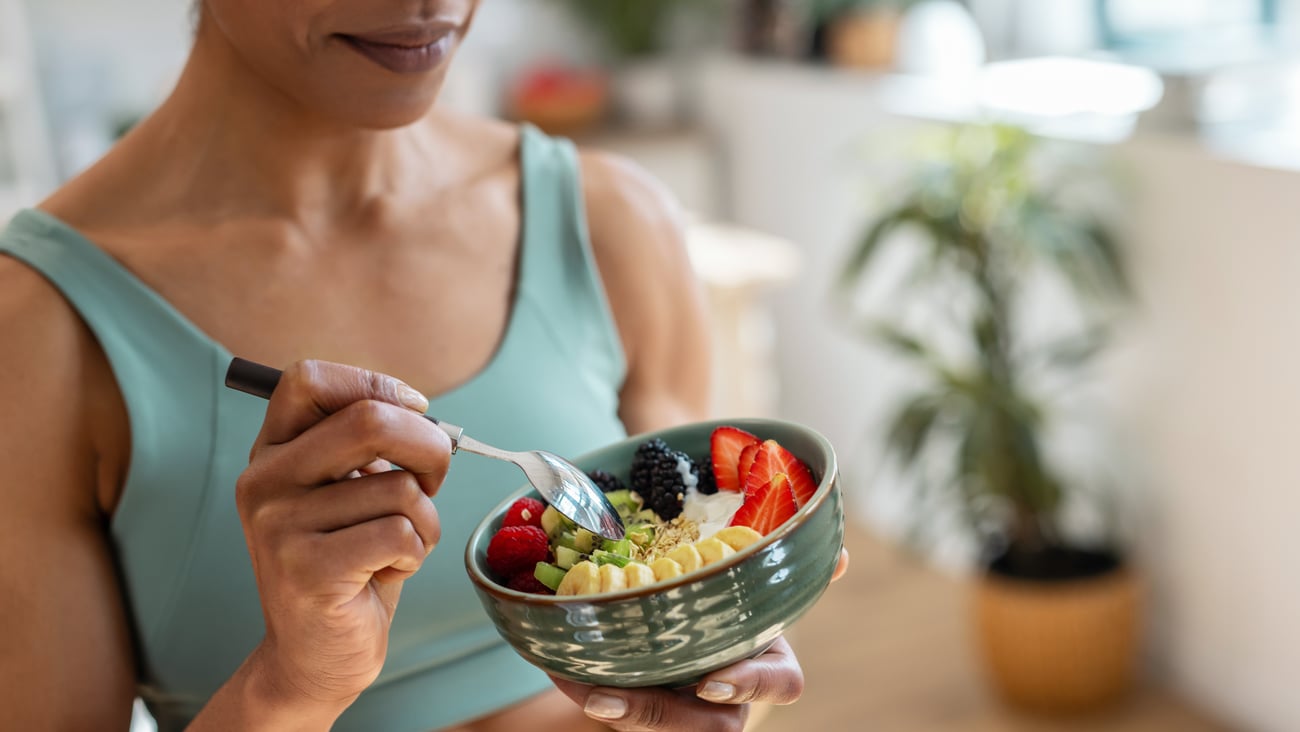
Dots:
{"x": 515, "y": 549}
{"x": 607, "y": 481}
{"x": 526, "y": 581}
{"x": 659, "y": 475}
{"x": 524, "y": 512}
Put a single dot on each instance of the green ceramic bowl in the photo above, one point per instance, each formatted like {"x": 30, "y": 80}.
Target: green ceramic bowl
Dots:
{"x": 674, "y": 632}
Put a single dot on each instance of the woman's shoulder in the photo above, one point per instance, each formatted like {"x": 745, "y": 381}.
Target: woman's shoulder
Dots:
{"x": 31, "y": 308}
{"x": 51, "y": 365}
{"x": 46, "y": 347}
{"x": 638, "y": 237}
{"x": 636, "y": 225}
{"x": 37, "y": 325}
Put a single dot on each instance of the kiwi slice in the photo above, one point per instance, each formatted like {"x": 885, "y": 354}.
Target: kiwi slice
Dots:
{"x": 549, "y": 574}
{"x": 566, "y": 557}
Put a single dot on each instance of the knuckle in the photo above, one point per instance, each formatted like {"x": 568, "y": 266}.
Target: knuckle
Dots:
{"x": 382, "y": 387}
{"x": 249, "y": 492}
{"x": 650, "y": 713}
{"x": 782, "y": 685}
{"x": 370, "y": 419}
{"x": 267, "y": 515}
{"x": 306, "y": 371}
{"x": 245, "y": 489}
{"x": 300, "y": 386}
{"x": 430, "y": 521}
{"x": 296, "y": 556}
{"x": 795, "y": 688}
{"x": 410, "y": 497}
{"x": 301, "y": 377}
{"x": 402, "y": 535}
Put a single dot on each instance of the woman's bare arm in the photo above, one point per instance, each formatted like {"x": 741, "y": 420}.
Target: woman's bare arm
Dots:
{"x": 65, "y": 655}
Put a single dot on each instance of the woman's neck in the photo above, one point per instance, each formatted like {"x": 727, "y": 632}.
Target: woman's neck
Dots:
{"x": 233, "y": 140}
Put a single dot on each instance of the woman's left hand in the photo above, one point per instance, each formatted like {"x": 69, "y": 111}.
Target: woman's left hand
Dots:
{"x": 720, "y": 701}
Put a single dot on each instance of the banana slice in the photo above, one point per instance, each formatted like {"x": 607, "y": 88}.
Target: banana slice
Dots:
{"x": 665, "y": 569}
{"x": 713, "y": 550}
{"x": 582, "y": 578}
{"x": 638, "y": 575}
{"x": 687, "y": 556}
{"x": 586, "y": 578}
{"x": 612, "y": 578}
{"x": 738, "y": 537}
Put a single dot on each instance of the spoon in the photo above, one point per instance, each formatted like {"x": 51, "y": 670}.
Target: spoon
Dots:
{"x": 562, "y": 484}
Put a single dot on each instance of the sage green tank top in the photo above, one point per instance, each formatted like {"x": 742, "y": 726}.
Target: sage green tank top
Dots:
{"x": 552, "y": 384}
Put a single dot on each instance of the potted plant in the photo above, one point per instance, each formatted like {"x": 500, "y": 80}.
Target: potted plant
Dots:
{"x": 860, "y": 34}
{"x": 635, "y": 35}
{"x": 1056, "y": 616}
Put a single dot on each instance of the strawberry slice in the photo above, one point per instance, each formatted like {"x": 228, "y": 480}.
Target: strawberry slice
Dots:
{"x": 725, "y": 446}
{"x": 761, "y": 469}
{"x": 769, "y": 507}
{"x": 771, "y": 458}
{"x": 747, "y": 461}
{"x": 802, "y": 484}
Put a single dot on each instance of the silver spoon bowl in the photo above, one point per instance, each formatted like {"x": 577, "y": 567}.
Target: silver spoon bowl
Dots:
{"x": 563, "y": 486}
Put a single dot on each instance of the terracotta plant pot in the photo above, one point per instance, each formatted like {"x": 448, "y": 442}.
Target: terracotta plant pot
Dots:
{"x": 1059, "y": 647}
{"x": 863, "y": 40}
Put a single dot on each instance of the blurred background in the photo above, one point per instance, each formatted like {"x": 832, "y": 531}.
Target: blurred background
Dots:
{"x": 1031, "y": 265}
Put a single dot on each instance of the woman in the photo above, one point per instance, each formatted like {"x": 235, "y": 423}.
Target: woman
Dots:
{"x": 295, "y": 197}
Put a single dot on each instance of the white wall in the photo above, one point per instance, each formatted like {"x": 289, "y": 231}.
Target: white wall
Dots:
{"x": 1212, "y": 403}
{"x": 102, "y": 61}
{"x": 1206, "y": 389}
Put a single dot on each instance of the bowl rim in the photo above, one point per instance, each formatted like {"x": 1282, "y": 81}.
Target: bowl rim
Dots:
{"x": 825, "y": 486}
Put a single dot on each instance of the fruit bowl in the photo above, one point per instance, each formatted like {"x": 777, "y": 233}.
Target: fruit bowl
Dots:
{"x": 673, "y": 632}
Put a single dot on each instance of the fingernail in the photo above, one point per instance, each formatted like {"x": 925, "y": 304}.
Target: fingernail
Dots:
{"x": 716, "y": 691}
{"x": 412, "y": 399}
{"x": 605, "y": 706}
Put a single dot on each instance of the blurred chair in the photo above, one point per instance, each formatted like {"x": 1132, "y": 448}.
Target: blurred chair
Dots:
{"x": 738, "y": 267}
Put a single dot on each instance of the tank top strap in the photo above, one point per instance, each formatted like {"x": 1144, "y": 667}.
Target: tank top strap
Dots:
{"x": 124, "y": 313}
{"x": 169, "y": 374}
{"x": 558, "y": 272}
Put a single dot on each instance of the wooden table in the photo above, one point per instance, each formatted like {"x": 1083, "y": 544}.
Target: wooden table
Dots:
{"x": 886, "y": 650}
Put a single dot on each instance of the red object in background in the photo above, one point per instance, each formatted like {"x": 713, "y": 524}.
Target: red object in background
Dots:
{"x": 560, "y": 100}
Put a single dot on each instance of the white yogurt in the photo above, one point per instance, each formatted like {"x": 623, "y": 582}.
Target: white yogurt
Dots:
{"x": 711, "y": 513}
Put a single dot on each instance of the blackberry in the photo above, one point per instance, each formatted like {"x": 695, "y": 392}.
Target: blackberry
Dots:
{"x": 607, "y": 481}
{"x": 708, "y": 481}
{"x": 657, "y": 475}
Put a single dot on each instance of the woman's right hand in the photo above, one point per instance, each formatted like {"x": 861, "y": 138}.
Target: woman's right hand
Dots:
{"x": 333, "y": 531}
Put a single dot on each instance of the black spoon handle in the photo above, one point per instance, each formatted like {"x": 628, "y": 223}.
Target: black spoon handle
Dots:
{"x": 252, "y": 378}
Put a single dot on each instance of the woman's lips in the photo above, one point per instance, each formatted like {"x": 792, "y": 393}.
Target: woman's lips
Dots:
{"x": 404, "y": 52}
